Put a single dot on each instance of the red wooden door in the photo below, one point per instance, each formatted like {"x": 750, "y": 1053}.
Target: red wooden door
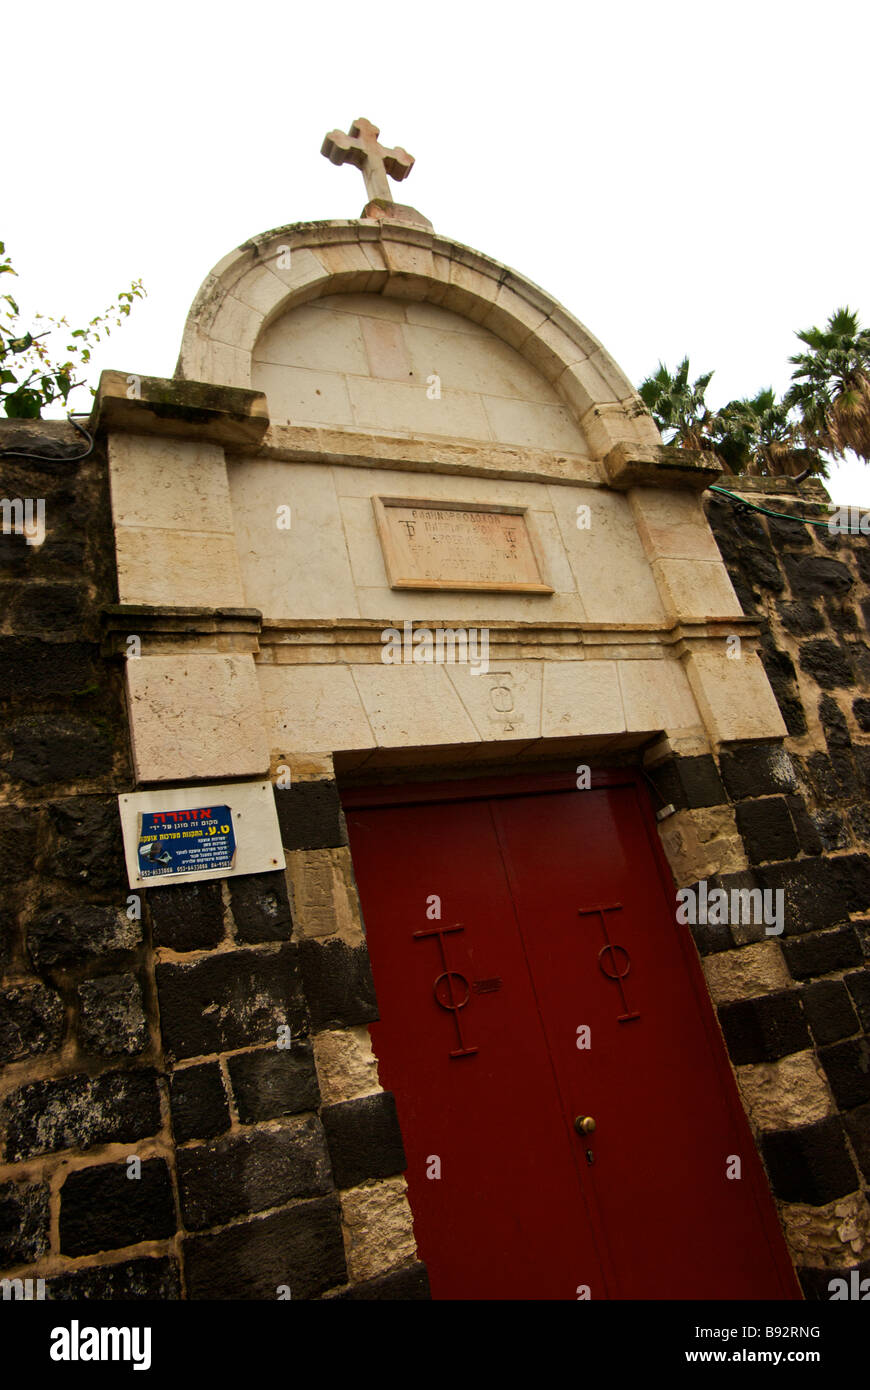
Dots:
{"x": 555, "y": 918}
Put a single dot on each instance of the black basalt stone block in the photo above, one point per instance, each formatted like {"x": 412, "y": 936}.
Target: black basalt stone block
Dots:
{"x": 364, "y": 1139}
{"x": 187, "y": 916}
{"x": 767, "y": 829}
{"x": 811, "y": 1164}
{"x": 310, "y": 815}
{"x": 299, "y": 1249}
{"x": 102, "y": 1208}
{"x": 764, "y": 1029}
{"x": 251, "y": 1171}
{"x": 274, "y": 1082}
{"x": 338, "y": 983}
{"x": 829, "y": 1010}
{"x": 261, "y": 908}
{"x": 822, "y": 953}
{"x": 199, "y": 1103}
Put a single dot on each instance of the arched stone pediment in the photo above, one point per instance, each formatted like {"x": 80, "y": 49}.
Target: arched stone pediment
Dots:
{"x": 273, "y": 274}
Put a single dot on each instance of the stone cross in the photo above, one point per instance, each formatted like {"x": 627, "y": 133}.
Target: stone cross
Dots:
{"x": 362, "y": 149}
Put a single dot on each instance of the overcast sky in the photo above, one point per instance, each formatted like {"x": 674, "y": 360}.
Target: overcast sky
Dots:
{"x": 685, "y": 176}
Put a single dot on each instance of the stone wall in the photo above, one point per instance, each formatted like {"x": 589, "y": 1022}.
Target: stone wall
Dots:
{"x": 794, "y": 1009}
{"x": 155, "y": 1138}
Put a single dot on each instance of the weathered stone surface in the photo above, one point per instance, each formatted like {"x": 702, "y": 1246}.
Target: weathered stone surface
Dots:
{"x": 42, "y": 670}
{"x": 101, "y": 1208}
{"x": 811, "y": 1164}
{"x": 229, "y": 1000}
{"x": 57, "y": 749}
{"x": 378, "y": 1229}
{"x": 411, "y": 1282}
{"x": 807, "y": 833}
{"x": 192, "y": 717}
{"x": 31, "y": 1021}
{"x": 831, "y": 829}
{"x": 787, "y": 533}
{"x": 128, "y": 1281}
{"x": 310, "y": 815}
{"x": 49, "y": 608}
{"x": 842, "y": 615}
{"x": 810, "y": 576}
{"x": 858, "y": 985}
{"x": 813, "y": 896}
{"x": 745, "y": 973}
{"x": 827, "y": 663}
{"x": 851, "y": 875}
{"x": 823, "y": 776}
{"x": 859, "y": 822}
{"x": 822, "y": 953}
{"x": 265, "y": 1167}
{"x": 767, "y": 829}
{"x": 261, "y": 909}
{"x": 857, "y": 1124}
{"x": 300, "y": 1248}
{"x": 346, "y": 1065}
{"x": 833, "y": 1234}
{"x": 829, "y": 1010}
{"x": 199, "y": 1103}
{"x": 338, "y": 983}
{"x": 688, "y": 782}
{"x": 364, "y": 1139}
{"x": 87, "y": 844}
{"x": 861, "y": 711}
{"x": 785, "y": 1094}
{"x": 66, "y": 936}
{"x": 848, "y": 1069}
{"x": 111, "y": 1016}
{"x": 781, "y": 673}
{"x": 800, "y": 619}
{"x": 703, "y": 843}
{"x": 325, "y": 900}
{"x": 834, "y": 723}
{"x": 24, "y": 1222}
{"x": 274, "y": 1082}
{"x": 79, "y": 1111}
{"x": 757, "y": 769}
{"x": 187, "y": 916}
{"x": 19, "y": 832}
{"x": 764, "y": 1029}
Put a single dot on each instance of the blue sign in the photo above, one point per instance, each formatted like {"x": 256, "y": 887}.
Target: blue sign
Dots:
{"x": 186, "y": 842}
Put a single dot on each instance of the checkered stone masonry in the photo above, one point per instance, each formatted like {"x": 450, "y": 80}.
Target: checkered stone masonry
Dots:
{"x": 795, "y": 1009}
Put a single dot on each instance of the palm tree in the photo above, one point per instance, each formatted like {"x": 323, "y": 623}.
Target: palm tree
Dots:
{"x": 758, "y": 435}
{"x": 831, "y": 386}
{"x": 677, "y": 406}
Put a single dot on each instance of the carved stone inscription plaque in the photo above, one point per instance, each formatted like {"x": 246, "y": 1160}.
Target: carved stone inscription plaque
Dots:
{"x": 458, "y": 545}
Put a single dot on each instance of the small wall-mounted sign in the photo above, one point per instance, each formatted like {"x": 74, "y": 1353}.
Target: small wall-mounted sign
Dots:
{"x": 181, "y": 842}
{"x": 180, "y": 834}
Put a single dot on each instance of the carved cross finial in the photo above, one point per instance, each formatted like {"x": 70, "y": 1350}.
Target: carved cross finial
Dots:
{"x": 362, "y": 149}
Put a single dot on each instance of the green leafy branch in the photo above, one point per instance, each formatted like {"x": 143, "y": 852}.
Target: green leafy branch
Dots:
{"x": 32, "y": 376}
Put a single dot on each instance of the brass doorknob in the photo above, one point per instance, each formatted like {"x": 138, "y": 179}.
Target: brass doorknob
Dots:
{"x": 584, "y": 1124}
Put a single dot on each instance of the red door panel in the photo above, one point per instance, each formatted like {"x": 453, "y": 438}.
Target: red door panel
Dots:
{"x": 505, "y": 1219}
{"x": 668, "y": 1123}
{"x": 555, "y": 916}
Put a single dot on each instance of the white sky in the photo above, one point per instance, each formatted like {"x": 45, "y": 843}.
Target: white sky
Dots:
{"x": 684, "y": 176}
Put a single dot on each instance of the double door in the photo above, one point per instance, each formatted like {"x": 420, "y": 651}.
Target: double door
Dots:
{"x": 570, "y": 1121}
